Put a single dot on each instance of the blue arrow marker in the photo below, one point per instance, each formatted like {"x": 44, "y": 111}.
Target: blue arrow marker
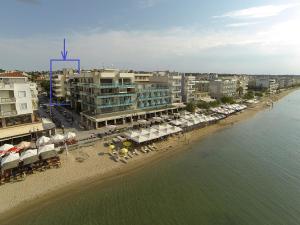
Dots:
{"x": 64, "y": 53}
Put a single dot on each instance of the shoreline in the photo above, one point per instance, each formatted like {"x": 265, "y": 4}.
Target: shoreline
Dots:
{"x": 75, "y": 177}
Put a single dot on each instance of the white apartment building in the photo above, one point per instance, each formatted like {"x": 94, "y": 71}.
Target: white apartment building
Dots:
{"x": 223, "y": 88}
{"x": 111, "y": 96}
{"x": 60, "y": 85}
{"x": 173, "y": 80}
{"x": 266, "y": 83}
{"x": 18, "y": 99}
{"x": 188, "y": 88}
{"x": 242, "y": 82}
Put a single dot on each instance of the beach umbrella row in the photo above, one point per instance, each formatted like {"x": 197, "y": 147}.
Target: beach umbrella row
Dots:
{"x": 30, "y": 156}
{"x": 6, "y": 148}
{"x": 57, "y": 138}
{"x": 152, "y": 133}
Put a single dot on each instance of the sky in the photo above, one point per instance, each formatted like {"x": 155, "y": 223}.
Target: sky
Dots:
{"x": 222, "y": 36}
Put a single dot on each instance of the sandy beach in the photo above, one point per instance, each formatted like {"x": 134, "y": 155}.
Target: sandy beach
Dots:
{"x": 18, "y": 197}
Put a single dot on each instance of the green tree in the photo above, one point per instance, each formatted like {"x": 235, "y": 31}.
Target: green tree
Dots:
{"x": 191, "y": 107}
{"x": 259, "y": 94}
{"x": 215, "y": 103}
{"x": 228, "y": 100}
{"x": 203, "y": 105}
{"x": 249, "y": 95}
{"x": 46, "y": 86}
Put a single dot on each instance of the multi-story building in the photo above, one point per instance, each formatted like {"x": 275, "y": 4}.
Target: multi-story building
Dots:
{"x": 265, "y": 83}
{"x": 242, "y": 85}
{"x": 202, "y": 91}
{"x": 18, "y": 99}
{"x": 188, "y": 88}
{"x": 173, "y": 80}
{"x": 110, "y": 96}
{"x": 222, "y": 88}
{"x": 60, "y": 85}
{"x": 285, "y": 82}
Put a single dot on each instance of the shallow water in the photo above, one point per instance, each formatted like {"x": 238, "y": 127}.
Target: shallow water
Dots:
{"x": 248, "y": 174}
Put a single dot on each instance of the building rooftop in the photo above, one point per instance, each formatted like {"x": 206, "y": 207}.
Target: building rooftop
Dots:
{"x": 12, "y": 74}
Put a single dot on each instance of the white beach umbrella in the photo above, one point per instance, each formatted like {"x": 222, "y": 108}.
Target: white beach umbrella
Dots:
{"x": 70, "y": 136}
{"x": 24, "y": 145}
{"x": 139, "y": 139}
{"x": 43, "y": 141}
{"x": 132, "y": 133}
{"x": 47, "y": 151}
{"x": 30, "y": 156}
{"x": 4, "y": 148}
{"x": 144, "y": 132}
{"x": 176, "y": 122}
{"x": 11, "y": 161}
{"x": 57, "y": 138}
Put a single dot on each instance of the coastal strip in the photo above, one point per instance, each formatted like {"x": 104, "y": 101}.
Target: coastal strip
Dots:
{"x": 98, "y": 168}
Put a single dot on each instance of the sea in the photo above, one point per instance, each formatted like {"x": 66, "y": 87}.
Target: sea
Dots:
{"x": 247, "y": 174}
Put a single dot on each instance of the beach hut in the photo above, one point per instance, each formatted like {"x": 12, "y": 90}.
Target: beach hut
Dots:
{"x": 10, "y": 161}
{"x": 30, "y": 156}
{"x": 43, "y": 141}
{"x": 47, "y": 151}
{"x": 57, "y": 138}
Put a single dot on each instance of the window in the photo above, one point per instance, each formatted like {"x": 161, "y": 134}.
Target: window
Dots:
{"x": 23, "y": 106}
{"x": 22, "y": 94}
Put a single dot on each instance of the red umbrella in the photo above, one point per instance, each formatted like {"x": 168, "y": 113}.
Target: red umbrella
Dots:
{"x": 14, "y": 149}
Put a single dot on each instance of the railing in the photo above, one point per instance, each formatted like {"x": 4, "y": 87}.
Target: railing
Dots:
{"x": 103, "y": 106}
{"x": 124, "y": 85}
{"x": 7, "y": 100}
{"x": 141, "y": 98}
{"x": 154, "y": 90}
{"x": 115, "y": 95}
{"x": 154, "y": 106}
{"x": 8, "y": 113}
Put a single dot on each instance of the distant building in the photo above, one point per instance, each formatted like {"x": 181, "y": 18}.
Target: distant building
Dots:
{"x": 60, "y": 85}
{"x": 18, "y": 100}
{"x": 242, "y": 83}
{"x": 202, "y": 91}
{"x": 223, "y": 88}
{"x": 264, "y": 83}
{"x": 188, "y": 88}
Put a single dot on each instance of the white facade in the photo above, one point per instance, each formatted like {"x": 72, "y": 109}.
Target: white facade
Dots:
{"x": 18, "y": 98}
{"x": 174, "y": 81}
{"x": 188, "y": 88}
{"x": 266, "y": 83}
{"x": 223, "y": 88}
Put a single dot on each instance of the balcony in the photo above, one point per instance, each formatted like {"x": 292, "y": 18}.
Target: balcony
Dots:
{"x": 7, "y": 100}
{"x": 4, "y": 86}
{"x": 112, "y": 95}
{"x": 110, "y": 105}
{"x": 110, "y": 85}
{"x": 8, "y": 113}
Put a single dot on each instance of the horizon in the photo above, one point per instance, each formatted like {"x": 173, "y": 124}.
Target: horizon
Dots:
{"x": 249, "y": 37}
